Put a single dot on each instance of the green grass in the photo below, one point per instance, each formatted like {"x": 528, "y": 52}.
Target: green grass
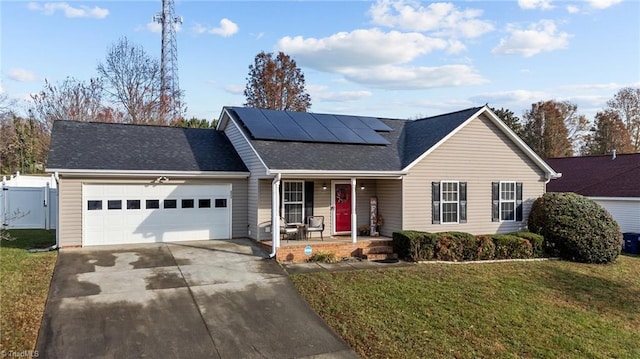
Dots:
{"x": 549, "y": 309}
{"x": 24, "y": 285}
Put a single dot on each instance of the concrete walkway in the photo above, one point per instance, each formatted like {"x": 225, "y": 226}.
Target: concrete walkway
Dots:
{"x": 206, "y": 299}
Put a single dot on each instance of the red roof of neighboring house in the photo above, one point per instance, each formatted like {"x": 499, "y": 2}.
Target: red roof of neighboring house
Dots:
{"x": 597, "y": 176}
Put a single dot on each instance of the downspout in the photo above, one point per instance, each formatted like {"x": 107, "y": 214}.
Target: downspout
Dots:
{"x": 275, "y": 220}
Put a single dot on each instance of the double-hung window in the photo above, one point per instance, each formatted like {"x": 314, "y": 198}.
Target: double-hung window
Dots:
{"x": 506, "y": 201}
{"x": 293, "y": 201}
{"x": 449, "y": 199}
{"x": 448, "y": 202}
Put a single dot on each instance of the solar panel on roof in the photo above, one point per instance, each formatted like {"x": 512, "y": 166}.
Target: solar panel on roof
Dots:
{"x": 308, "y": 127}
{"x": 329, "y": 121}
{"x": 257, "y": 123}
{"x": 373, "y": 138}
{"x": 375, "y": 124}
{"x": 313, "y": 127}
{"x": 346, "y": 135}
{"x": 352, "y": 122}
{"x": 287, "y": 126}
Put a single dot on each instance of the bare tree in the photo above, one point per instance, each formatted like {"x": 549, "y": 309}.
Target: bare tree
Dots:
{"x": 69, "y": 100}
{"x": 276, "y": 84}
{"x": 7, "y": 106}
{"x": 132, "y": 80}
{"x": 23, "y": 145}
{"x": 627, "y": 104}
{"x": 609, "y": 134}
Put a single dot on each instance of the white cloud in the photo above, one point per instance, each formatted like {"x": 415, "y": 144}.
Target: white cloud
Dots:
{"x": 324, "y": 94}
{"x": 154, "y": 27}
{"x": 539, "y": 37}
{"x": 411, "y": 78}
{"x": 21, "y": 75}
{"x": 603, "y": 4}
{"x": 227, "y": 28}
{"x": 68, "y": 10}
{"x": 359, "y": 48}
{"x": 572, "y": 9}
{"x": 535, "y": 4}
{"x": 443, "y": 18}
{"x": 510, "y": 98}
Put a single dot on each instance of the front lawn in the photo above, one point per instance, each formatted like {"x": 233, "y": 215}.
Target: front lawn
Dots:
{"x": 24, "y": 284}
{"x": 549, "y": 309}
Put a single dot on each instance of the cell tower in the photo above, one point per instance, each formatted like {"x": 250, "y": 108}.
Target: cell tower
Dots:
{"x": 170, "y": 103}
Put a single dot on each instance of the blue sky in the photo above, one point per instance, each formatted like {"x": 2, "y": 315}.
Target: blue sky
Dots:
{"x": 398, "y": 59}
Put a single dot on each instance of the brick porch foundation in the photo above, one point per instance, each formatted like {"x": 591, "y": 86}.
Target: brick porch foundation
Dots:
{"x": 294, "y": 252}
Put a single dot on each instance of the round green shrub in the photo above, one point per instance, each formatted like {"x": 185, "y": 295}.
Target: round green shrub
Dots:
{"x": 575, "y": 228}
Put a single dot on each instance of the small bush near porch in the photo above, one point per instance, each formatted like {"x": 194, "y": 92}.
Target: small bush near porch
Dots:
{"x": 24, "y": 283}
{"x": 548, "y": 309}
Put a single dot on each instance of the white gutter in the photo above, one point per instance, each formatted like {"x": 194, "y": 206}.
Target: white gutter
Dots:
{"x": 275, "y": 220}
{"x": 119, "y": 173}
{"x": 549, "y": 177}
{"x": 340, "y": 173}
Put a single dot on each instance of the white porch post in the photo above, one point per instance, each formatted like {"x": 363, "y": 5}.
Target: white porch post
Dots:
{"x": 354, "y": 217}
{"x": 275, "y": 218}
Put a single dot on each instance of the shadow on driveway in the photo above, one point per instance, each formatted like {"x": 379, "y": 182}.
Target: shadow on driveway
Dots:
{"x": 206, "y": 299}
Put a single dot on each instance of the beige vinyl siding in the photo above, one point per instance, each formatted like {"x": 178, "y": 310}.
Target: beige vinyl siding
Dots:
{"x": 321, "y": 207}
{"x": 264, "y": 209}
{"x": 70, "y": 190}
{"x": 70, "y": 212}
{"x": 390, "y": 205}
{"x": 257, "y": 170}
{"x": 478, "y": 154}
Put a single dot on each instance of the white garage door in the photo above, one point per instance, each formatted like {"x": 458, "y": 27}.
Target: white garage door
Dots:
{"x": 117, "y": 214}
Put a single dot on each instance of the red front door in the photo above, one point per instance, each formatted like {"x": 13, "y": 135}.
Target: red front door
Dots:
{"x": 343, "y": 207}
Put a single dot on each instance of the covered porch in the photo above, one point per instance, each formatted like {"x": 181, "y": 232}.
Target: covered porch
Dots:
{"x": 354, "y": 211}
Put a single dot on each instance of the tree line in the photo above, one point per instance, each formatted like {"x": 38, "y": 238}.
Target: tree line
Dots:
{"x": 555, "y": 128}
{"x": 127, "y": 89}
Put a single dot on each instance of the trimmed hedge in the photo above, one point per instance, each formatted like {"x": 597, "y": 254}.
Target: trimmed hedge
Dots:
{"x": 459, "y": 246}
{"x": 576, "y": 228}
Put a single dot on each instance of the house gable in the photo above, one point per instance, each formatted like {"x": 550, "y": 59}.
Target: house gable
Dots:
{"x": 477, "y": 154}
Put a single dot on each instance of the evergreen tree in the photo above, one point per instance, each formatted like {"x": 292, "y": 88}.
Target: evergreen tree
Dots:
{"x": 510, "y": 119}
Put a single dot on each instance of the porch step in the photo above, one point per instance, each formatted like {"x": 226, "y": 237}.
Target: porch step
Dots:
{"x": 379, "y": 256}
{"x": 377, "y": 252}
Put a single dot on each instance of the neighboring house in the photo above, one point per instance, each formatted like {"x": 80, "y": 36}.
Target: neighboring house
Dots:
{"x": 463, "y": 171}
{"x": 613, "y": 181}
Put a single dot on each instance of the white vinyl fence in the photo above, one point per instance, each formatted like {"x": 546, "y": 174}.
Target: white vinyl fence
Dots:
{"x": 28, "y": 207}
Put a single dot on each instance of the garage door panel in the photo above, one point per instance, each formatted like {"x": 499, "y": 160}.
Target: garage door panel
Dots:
{"x": 140, "y": 224}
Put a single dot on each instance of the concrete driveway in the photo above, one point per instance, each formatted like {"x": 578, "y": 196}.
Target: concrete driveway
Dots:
{"x": 205, "y": 299}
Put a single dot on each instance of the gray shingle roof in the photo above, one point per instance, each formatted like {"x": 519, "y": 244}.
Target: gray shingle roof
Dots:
{"x": 108, "y": 146}
{"x": 408, "y": 140}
